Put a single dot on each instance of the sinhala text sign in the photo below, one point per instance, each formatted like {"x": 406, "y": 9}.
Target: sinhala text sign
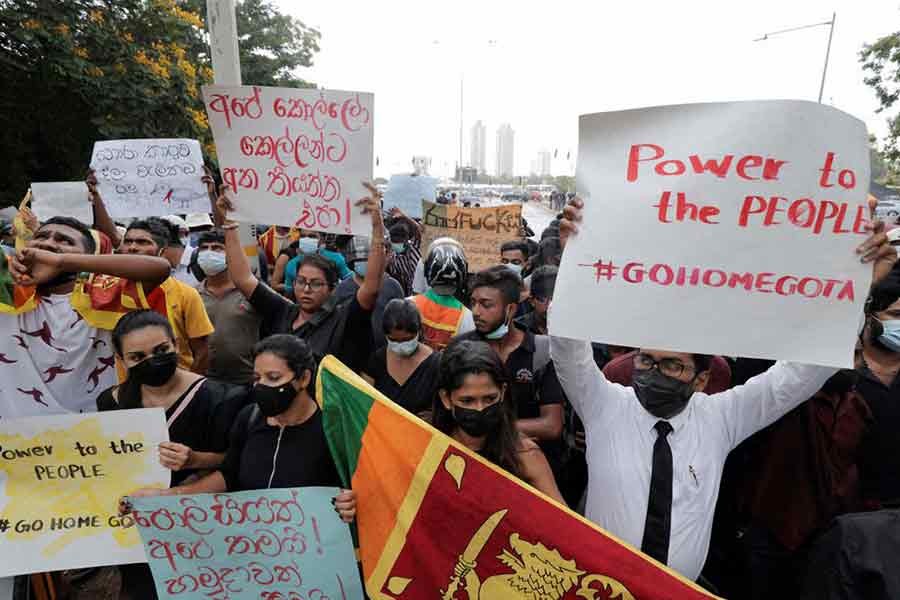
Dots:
{"x": 294, "y": 157}
{"x": 723, "y": 228}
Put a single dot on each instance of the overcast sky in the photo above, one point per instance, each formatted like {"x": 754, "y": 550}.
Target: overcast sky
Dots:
{"x": 552, "y": 61}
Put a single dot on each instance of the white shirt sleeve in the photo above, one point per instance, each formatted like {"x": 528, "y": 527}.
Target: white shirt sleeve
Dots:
{"x": 467, "y": 323}
{"x": 586, "y": 388}
{"x": 767, "y": 397}
{"x": 419, "y": 284}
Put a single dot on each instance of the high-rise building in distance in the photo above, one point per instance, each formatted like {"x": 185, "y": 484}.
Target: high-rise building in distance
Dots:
{"x": 543, "y": 163}
{"x": 505, "y": 155}
{"x": 479, "y": 147}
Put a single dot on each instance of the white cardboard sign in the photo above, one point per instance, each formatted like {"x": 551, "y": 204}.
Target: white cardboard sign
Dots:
{"x": 144, "y": 178}
{"x": 62, "y": 199}
{"x": 407, "y": 192}
{"x": 293, "y": 156}
{"x": 725, "y": 228}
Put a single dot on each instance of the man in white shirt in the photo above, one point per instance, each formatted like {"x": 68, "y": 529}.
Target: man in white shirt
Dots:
{"x": 655, "y": 451}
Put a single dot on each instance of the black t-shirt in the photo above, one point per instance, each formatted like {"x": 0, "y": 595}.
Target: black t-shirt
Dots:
{"x": 203, "y": 425}
{"x": 417, "y": 393}
{"x": 342, "y": 329}
{"x": 295, "y": 456}
{"x": 390, "y": 289}
{"x": 879, "y": 461}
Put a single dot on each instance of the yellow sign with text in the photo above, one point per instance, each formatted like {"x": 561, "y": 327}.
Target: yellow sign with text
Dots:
{"x": 61, "y": 478}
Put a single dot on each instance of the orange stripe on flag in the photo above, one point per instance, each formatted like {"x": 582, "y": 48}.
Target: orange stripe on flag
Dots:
{"x": 384, "y": 473}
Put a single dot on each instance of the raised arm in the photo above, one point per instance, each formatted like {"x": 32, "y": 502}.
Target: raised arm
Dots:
{"x": 102, "y": 221}
{"x": 150, "y": 271}
{"x": 238, "y": 266}
{"x": 368, "y": 291}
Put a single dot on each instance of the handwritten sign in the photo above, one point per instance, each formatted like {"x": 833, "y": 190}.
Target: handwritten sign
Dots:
{"x": 62, "y": 199}
{"x": 143, "y": 178}
{"x": 407, "y": 192}
{"x": 61, "y": 478}
{"x": 722, "y": 229}
{"x": 293, "y": 156}
{"x": 481, "y": 231}
{"x": 270, "y": 544}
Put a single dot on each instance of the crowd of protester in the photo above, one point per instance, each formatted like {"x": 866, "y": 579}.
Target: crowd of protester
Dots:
{"x": 754, "y": 478}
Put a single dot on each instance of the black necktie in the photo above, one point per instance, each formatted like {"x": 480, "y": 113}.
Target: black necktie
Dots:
{"x": 659, "y": 507}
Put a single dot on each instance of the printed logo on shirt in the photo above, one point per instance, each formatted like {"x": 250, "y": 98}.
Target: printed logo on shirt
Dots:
{"x": 524, "y": 376}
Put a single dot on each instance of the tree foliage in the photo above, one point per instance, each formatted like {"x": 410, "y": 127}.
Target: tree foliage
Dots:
{"x": 77, "y": 71}
{"x": 881, "y": 64}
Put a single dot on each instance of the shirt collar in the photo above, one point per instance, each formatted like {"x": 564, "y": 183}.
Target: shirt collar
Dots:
{"x": 677, "y": 422}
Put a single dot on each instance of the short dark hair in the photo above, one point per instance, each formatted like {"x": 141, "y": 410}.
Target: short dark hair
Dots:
{"x": 400, "y": 230}
{"x": 500, "y": 278}
{"x": 401, "y": 314}
{"x": 213, "y": 236}
{"x": 550, "y": 248}
{"x": 90, "y": 246}
{"x": 702, "y": 362}
{"x": 328, "y": 268}
{"x": 543, "y": 281}
{"x": 885, "y": 293}
{"x": 293, "y": 351}
{"x": 139, "y": 319}
{"x": 513, "y": 246}
{"x": 159, "y": 229}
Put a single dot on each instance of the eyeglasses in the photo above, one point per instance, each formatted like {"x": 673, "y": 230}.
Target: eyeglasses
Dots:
{"x": 313, "y": 285}
{"x": 667, "y": 366}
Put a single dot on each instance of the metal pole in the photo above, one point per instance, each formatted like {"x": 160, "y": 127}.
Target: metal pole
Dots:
{"x": 827, "y": 53}
{"x": 460, "y": 130}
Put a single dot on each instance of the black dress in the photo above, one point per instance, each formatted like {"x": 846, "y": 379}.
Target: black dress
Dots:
{"x": 261, "y": 456}
{"x": 417, "y": 393}
{"x": 202, "y": 426}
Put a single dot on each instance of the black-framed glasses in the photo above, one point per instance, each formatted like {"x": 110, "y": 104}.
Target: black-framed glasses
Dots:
{"x": 313, "y": 285}
{"x": 667, "y": 366}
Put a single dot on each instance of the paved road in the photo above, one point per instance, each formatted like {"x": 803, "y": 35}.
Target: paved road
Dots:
{"x": 538, "y": 216}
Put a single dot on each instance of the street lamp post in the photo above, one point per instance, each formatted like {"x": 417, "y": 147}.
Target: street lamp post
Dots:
{"x": 827, "y": 48}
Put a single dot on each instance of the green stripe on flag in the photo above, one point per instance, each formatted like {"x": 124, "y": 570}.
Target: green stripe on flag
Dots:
{"x": 345, "y": 416}
{"x": 448, "y": 301}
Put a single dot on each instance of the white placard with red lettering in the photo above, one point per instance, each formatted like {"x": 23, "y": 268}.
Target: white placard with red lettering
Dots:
{"x": 725, "y": 228}
{"x": 293, "y": 156}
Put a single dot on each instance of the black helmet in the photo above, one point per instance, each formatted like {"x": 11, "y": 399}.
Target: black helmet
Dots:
{"x": 446, "y": 268}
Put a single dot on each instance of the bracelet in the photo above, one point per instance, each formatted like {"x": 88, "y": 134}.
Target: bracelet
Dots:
{"x": 231, "y": 226}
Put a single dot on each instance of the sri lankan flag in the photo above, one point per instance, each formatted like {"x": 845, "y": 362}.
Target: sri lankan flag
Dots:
{"x": 437, "y": 521}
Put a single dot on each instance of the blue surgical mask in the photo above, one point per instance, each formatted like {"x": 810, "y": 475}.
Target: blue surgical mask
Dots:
{"x": 359, "y": 267}
{"x": 498, "y": 333}
{"x": 211, "y": 262}
{"x": 890, "y": 337}
{"x": 517, "y": 269}
{"x": 405, "y": 349}
{"x": 398, "y": 248}
{"x": 308, "y": 245}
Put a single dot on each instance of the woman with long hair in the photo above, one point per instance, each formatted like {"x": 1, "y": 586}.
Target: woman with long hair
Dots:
{"x": 278, "y": 440}
{"x": 470, "y": 408}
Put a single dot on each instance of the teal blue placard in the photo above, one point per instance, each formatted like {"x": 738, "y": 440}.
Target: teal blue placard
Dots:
{"x": 281, "y": 544}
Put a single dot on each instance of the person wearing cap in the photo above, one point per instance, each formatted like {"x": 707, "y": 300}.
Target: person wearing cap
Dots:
{"x": 357, "y": 257}
{"x": 183, "y": 305}
{"x": 443, "y": 315}
{"x": 329, "y": 327}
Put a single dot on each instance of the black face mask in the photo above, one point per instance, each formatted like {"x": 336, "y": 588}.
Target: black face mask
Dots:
{"x": 478, "y": 423}
{"x": 154, "y": 371}
{"x": 273, "y": 401}
{"x": 662, "y": 396}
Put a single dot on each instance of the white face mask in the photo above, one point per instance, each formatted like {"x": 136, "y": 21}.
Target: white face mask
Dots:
{"x": 308, "y": 245}
{"x": 405, "y": 349}
{"x": 517, "y": 269}
{"x": 211, "y": 262}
